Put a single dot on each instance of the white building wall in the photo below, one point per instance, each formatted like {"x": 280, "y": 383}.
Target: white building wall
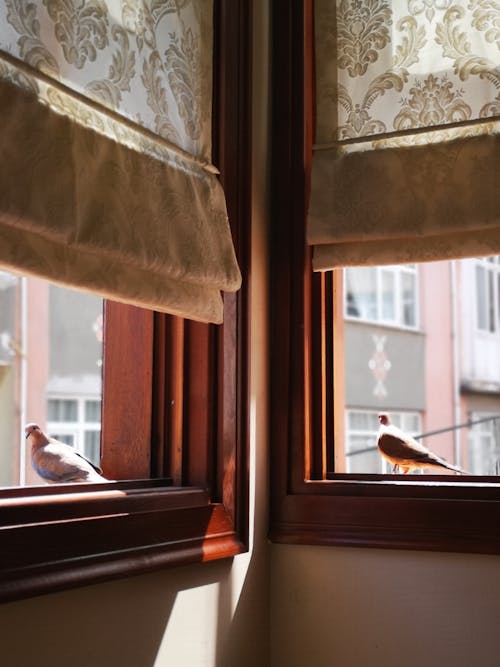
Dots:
{"x": 480, "y": 351}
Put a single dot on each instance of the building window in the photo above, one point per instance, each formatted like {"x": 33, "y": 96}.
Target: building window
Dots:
{"x": 362, "y": 428}
{"x": 77, "y": 422}
{"x": 383, "y": 294}
{"x": 484, "y": 444}
{"x": 488, "y": 294}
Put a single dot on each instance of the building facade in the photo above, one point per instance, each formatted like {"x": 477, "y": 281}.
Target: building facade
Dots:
{"x": 422, "y": 342}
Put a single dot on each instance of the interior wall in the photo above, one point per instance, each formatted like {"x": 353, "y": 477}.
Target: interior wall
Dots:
{"x": 214, "y": 614}
{"x": 340, "y": 607}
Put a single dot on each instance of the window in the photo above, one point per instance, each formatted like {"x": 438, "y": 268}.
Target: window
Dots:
{"x": 488, "y": 294}
{"x": 173, "y": 412}
{"x": 385, "y": 294}
{"x": 484, "y": 444}
{"x": 76, "y": 421}
{"x": 312, "y": 503}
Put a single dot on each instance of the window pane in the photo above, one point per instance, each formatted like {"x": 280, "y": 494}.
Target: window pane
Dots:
{"x": 358, "y": 421}
{"x": 491, "y": 303}
{"x": 59, "y": 410}
{"x": 92, "y": 411}
{"x": 361, "y": 293}
{"x": 482, "y": 320}
{"x": 50, "y": 364}
{"x": 439, "y": 383}
{"x": 388, "y": 296}
{"x": 409, "y": 299}
{"x": 497, "y": 315}
{"x": 368, "y": 462}
{"x": 92, "y": 445}
{"x": 67, "y": 438}
{"x": 360, "y": 442}
{"x": 484, "y": 445}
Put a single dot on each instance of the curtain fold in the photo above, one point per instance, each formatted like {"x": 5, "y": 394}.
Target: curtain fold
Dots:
{"x": 106, "y": 182}
{"x": 406, "y": 165}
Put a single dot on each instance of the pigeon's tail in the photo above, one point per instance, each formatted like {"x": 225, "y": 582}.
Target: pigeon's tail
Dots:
{"x": 441, "y": 463}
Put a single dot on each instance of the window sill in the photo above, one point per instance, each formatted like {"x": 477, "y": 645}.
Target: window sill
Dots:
{"x": 56, "y": 537}
{"x": 433, "y": 514}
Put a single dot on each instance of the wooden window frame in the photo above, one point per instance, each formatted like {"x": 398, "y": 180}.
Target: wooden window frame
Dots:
{"x": 174, "y": 411}
{"x": 310, "y": 505}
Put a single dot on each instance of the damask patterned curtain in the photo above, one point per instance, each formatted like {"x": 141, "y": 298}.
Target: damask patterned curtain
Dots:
{"x": 406, "y": 165}
{"x": 106, "y": 181}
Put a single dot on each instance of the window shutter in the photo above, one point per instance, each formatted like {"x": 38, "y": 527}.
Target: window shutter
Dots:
{"x": 106, "y": 181}
{"x": 406, "y": 165}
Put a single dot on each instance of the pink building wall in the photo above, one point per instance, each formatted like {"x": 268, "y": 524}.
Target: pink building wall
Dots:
{"x": 37, "y": 360}
{"x": 436, "y": 319}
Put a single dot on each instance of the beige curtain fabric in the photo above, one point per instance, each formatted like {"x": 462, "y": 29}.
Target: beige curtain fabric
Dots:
{"x": 406, "y": 165}
{"x": 105, "y": 136}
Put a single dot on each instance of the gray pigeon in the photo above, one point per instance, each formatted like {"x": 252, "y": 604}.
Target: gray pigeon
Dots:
{"x": 57, "y": 462}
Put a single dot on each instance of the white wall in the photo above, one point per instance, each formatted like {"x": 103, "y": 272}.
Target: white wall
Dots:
{"x": 206, "y": 615}
{"x": 480, "y": 350}
{"x": 339, "y": 607}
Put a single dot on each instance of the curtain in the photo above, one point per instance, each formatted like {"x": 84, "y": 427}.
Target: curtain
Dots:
{"x": 406, "y": 161}
{"x": 106, "y": 181}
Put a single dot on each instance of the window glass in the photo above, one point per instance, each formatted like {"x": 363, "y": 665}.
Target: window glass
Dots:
{"x": 488, "y": 294}
{"x": 92, "y": 445}
{"x": 484, "y": 444}
{"x": 409, "y": 299}
{"x": 482, "y": 317}
{"x": 491, "y": 301}
{"x": 67, "y": 438}
{"x": 386, "y": 294}
{"x": 50, "y": 370}
{"x": 61, "y": 410}
{"x": 93, "y": 411}
{"x": 440, "y": 380}
{"x": 361, "y": 293}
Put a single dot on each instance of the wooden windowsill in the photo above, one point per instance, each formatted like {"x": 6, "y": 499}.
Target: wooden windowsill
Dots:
{"x": 433, "y": 514}
{"x": 52, "y": 538}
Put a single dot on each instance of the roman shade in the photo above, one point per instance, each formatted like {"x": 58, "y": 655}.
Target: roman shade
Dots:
{"x": 106, "y": 181}
{"x": 406, "y": 161}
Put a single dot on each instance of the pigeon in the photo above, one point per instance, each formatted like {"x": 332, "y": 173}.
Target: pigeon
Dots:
{"x": 57, "y": 462}
{"x": 404, "y": 452}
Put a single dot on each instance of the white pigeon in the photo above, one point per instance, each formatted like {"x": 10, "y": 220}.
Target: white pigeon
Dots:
{"x": 404, "y": 452}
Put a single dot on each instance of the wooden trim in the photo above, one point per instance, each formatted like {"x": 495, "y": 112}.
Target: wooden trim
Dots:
{"x": 127, "y": 371}
{"x": 235, "y": 122}
{"x": 309, "y": 505}
{"x": 82, "y": 536}
{"x": 176, "y": 401}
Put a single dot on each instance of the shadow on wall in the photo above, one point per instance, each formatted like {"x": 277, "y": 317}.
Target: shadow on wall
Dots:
{"x": 127, "y": 623}
{"x": 188, "y": 616}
